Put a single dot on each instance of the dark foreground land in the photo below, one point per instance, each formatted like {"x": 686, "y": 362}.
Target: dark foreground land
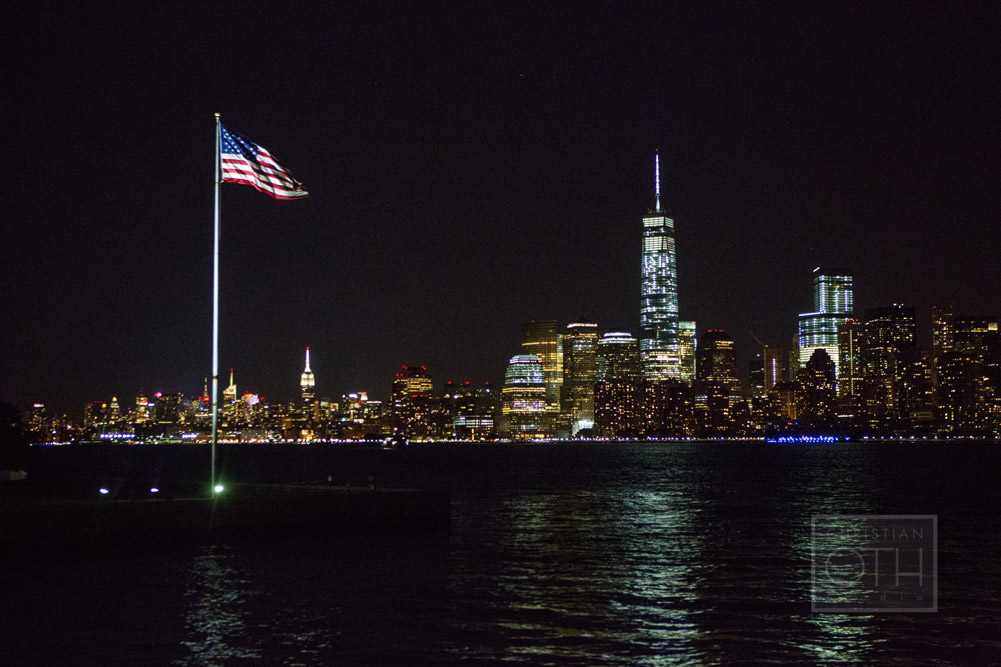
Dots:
{"x": 114, "y": 492}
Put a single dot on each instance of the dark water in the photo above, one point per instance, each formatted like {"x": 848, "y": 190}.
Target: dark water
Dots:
{"x": 595, "y": 554}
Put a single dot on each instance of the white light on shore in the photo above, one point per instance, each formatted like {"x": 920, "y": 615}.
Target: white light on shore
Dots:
{"x": 103, "y": 491}
{"x": 218, "y": 488}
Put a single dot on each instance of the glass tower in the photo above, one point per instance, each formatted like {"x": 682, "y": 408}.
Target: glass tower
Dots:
{"x": 580, "y": 343}
{"x": 833, "y": 302}
{"x": 540, "y": 337}
{"x": 659, "y": 348}
{"x": 687, "y": 344}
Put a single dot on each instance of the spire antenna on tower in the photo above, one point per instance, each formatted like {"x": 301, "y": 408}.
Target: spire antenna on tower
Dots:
{"x": 307, "y": 360}
{"x": 656, "y": 179}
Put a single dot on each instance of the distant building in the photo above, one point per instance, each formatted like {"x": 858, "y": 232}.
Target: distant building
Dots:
{"x": 888, "y": 332}
{"x": 818, "y": 386}
{"x": 833, "y": 302}
{"x": 785, "y": 400}
{"x": 307, "y": 386}
{"x": 580, "y": 346}
{"x": 413, "y": 402}
{"x": 470, "y": 412}
{"x": 969, "y": 376}
{"x": 38, "y": 421}
{"x": 524, "y": 415}
{"x": 687, "y": 345}
{"x": 617, "y": 397}
{"x": 851, "y": 355}
{"x": 942, "y": 330}
{"x": 914, "y": 393}
{"x": 541, "y": 338}
{"x": 659, "y": 343}
{"x": 756, "y": 374}
{"x": 228, "y": 408}
{"x": 765, "y": 370}
{"x": 792, "y": 359}
{"x": 716, "y": 361}
{"x": 960, "y": 394}
{"x": 717, "y": 387}
{"x": 668, "y": 409}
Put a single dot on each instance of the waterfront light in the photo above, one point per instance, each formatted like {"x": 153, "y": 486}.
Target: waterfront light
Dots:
{"x": 103, "y": 491}
{"x": 218, "y": 488}
{"x": 153, "y": 489}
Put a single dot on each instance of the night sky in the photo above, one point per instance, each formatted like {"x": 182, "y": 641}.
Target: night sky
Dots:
{"x": 472, "y": 166}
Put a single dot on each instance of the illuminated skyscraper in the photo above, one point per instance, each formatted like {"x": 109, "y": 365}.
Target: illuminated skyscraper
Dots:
{"x": 539, "y": 337}
{"x": 523, "y": 400}
{"x": 850, "y": 352}
{"x": 413, "y": 407}
{"x": 889, "y": 331}
{"x": 942, "y": 330}
{"x": 617, "y": 392}
{"x": 717, "y": 361}
{"x": 833, "y": 302}
{"x": 580, "y": 343}
{"x": 765, "y": 370}
{"x": 229, "y": 393}
{"x": 687, "y": 344}
{"x": 978, "y": 337}
{"x": 228, "y": 408}
{"x": 307, "y": 385}
{"x": 659, "y": 349}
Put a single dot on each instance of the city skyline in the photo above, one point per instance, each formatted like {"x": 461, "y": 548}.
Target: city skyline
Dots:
{"x": 462, "y": 184}
{"x": 828, "y": 293}
{"x": 572, "y": 384}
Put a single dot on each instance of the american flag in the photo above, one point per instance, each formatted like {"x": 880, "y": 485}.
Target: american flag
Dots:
{"x": 243, "y": 161}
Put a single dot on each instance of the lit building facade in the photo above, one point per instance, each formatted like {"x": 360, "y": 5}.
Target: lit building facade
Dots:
{"x": 942, "y": 330}
{"x": 413, "y": 404}
{"x": 716, "y": 361}
{"x": 687, "y": 344}
{"x": 580, "y": 346}
{"x": 617, "y": 396}
{"x": 976, "y": 339}
{"x": 523, "y": 400}
{"x": 470, "y": 412}
{"x": 659, "y": 345}
{"x": 851, "y": 356}
{"x": 833, "y": 302}
{"x": 668, "y": 409}
{"x": 960, "y": 395}
{"x": 818, "y": 390}
{"x": 765, "y": 370}
{"x": 307, "y": 386}
{"x": 541, "y": 338}
{"x": 888, "y": 332}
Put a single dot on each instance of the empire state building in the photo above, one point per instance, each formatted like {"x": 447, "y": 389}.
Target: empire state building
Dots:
{"x": 307, "y": 384}
{"x": 659, "y": 349}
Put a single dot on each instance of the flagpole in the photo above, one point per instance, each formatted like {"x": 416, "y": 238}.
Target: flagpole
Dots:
{"x": 215, "y": 305}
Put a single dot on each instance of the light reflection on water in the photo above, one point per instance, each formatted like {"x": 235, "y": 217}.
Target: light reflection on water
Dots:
{"x": 647, "y": 554}
{"x": 215, "y": 623}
